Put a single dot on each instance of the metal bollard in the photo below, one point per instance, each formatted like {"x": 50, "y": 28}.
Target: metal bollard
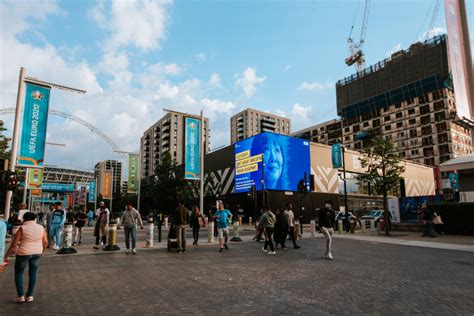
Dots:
{"x": 250, "y": 220}
{"x": 67, "y": 241}
{"x": 160, "y": 223}
{"x": 352, "y": 226}
{"x": 362, "y": 225}
{"x": 112, "y": 244}
{"x": 313, "y": 227}
{"x": 236, "y": 232}
{"x": 339, "y": 226}
{"x": 149, "y": 233}
{"x": 210, "y": 232}
{"x": 166, "y": 222}
{"x": 240, "y": 220}
{"x": 372, "y": 225}
{"x": 297, "y": 236}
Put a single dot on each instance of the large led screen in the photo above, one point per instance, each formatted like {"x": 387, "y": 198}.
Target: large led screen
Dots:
{"x": 280, "y": 161}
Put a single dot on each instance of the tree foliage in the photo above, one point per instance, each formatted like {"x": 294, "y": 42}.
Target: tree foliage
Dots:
{"x": 3, "y": 142}
{"x": 383, "y": 169}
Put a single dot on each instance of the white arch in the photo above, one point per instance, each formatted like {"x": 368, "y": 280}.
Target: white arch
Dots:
{"x": 76, "y": 119}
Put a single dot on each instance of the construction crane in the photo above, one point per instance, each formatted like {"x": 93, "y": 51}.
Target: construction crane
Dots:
{"x": 357, "y": 57}
{"x": 433, "y": 19}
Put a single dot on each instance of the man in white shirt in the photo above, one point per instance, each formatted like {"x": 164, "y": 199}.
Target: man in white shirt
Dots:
{"x": 22, "y": 211}
{"x": 290, "y": 216}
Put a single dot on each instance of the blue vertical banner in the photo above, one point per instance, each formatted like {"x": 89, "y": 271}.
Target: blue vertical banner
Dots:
{"x": 191, "y": 149}
{"x": 92, "y": 191}
{"x": 35, "y": 120}
{"x": 336, "y": 156}
{"x": 454, "y": 181}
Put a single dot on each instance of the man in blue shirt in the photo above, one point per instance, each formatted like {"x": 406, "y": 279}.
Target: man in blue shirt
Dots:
{"x": 222, "y": 218}
{"x": 58, "y": 218}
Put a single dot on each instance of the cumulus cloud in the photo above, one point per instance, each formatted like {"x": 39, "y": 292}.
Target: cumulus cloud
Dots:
{"x": 215, "y": 80}
{"x": 200, "y": 57}
{"x": 315, "y": 86}
{"x": 249, "y": 81}
{"x": 136, "y": 23}
{"x": 433, "y": 32}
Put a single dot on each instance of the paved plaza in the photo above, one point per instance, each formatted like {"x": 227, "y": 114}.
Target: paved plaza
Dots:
{"x": 365, "y": 277}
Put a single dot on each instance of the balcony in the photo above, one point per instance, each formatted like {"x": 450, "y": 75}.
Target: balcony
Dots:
{"x": 267, "y": 124}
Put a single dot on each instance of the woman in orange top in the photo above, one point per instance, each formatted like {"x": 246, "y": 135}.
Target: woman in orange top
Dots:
{"x": 31, "y": 242}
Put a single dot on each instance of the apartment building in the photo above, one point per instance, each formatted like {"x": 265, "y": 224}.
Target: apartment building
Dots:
{"x": 409, "y": 99}
{"x": 167, "y": 135}
{"x": 328, "y": 133}
{"x": 250, "y": 122}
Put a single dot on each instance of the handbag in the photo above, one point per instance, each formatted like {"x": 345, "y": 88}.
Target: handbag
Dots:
{"x": 437, "y": 220}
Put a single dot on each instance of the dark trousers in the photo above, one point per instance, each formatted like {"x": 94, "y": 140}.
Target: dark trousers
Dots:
{"x": 196, "y": 233}
{"x": 20, "y": 265}
{"x": 99, "y": 238}
{"x": 130, "y": 231}
{"x": 269, "y": 238}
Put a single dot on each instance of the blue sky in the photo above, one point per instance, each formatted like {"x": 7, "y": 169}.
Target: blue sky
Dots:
{"x": 136, "y": 57}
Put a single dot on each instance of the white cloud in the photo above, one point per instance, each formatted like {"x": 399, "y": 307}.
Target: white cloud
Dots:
{"x": 249, "y": 80}
{"x": 200, "y": 57}
{"x": 395, "y": 49}
{"x": 433, "y": 32}
{"x": 166, "y": 91}
{"x": 172, "y": 69}
{"x": 287, "y": 67}
{"x": 138, "y": 23}
{"x": 215, "y": 80}
{"x": 300, "y": 111}
{"x": 315, "y": 86}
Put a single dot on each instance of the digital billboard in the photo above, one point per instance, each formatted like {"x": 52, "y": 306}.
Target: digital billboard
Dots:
{"x": 280, "y": 161}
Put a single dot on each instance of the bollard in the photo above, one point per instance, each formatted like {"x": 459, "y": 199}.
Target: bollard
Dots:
{"x": 67, "y": 241}
{"x": 240, "y": 220}
{"x": 339, "y": 226}
{"x": 149, "y": 233}
{"x": 210, "y": 232}
{"x": 112, "y": 244}
{"x": 236, "y": 232}
{"x": 362, "y": 225}
{"x": 296, "y": 235}
{"x": 166, "y": 222}
{"x": 372, "y": 225}
{"x": 313, "y": 227}
{"x": 250, "y": 220}
{"x": 160, "y": 223}
{"x": 352, "y": 226}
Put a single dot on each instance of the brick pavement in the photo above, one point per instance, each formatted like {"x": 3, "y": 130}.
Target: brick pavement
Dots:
{"x": 366, "y": 278}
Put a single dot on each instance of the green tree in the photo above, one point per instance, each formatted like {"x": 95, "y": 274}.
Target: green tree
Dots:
{"x": 384, "y": 170}
{"x": 3, "y": 142}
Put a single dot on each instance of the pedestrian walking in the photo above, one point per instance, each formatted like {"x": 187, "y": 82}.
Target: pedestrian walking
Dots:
{"x": 267, "y": 222}
{"x": 101, "y": 226}
{"x": 23, "y": 209}
{"x": 3, "y": 235}
{"x": 90, "y": 218}
{"x": 180, "y": 220}
{"x": 197, "y": 221}
{"x": 79, "y": 223}
{"x": 281, "y": 230}
{"x": 49, "y": 215}
{"x": 290, "y": 216}
{"x": 58, "y": 218}
{"x": 428, "y": 217}
{"x": 130, "y": 218}
{"x": 438, "y": 222}
{"x": 222, "y": 218}
{"x": 31, "y": 242}
{"x": 326, "y": 222}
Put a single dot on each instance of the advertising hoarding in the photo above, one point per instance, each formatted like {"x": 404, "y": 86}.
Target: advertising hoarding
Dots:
{"x": 92, "y": 191}
{"x": 35, "y": 178}
{"x": 132, "y": 173}
{"x": 278, "y": 161}
{"x": 191, "y": 148}
{"x": 106, "y": 184}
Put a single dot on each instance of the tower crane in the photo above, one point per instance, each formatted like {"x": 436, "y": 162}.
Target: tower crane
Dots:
{"x": 433, "y": 19}
{"x": 357, "y": 56}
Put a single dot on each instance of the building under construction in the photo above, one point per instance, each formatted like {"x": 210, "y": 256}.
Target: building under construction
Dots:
{"x": 408, "y": 98}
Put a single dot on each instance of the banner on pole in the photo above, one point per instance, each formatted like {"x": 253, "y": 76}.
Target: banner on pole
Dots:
{"x": 83, "y": 195}
{"x": 35, "y": 179}
{"x": 336, "y": 156}
{"x": 92, "y": 188}
{"x": 106, "y": 184}
{"x": 133, "y": 173}
{"x": 33, "y": 132}
{"x": 191, "y": 149}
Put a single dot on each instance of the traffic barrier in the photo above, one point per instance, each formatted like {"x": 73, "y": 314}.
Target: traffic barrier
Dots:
{"x": 339, "y": 226}
{"x": 149, "y": 233}
{"x": 313, "y": 227}
{"x": 210, "y": 232}
{"x": 236, "y": 232}
{"x": 67, "y": 241}
{"x": 112, "y": 244}
{"x": 372, "y": 225}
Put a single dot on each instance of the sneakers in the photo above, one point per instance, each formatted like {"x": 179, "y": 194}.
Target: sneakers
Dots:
{"x": 20, "y": 299}
{"x": 220, "y": 250}
{"x": 128, "y": 251}
{"x": 297, "y": 247}
{"x": 56, "y": 247}
{"x": 29, "y": 299}
{"x": 96, "y": 247}
{"x": 328, "y": 256}
{"x": 134, "y": 251}
{"x": 264, "y": 250}
{"x": 226, "y": 247}
{"x": 271, "y": 253}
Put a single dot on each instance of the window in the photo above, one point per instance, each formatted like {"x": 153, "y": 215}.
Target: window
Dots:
{"x": 440, "y": 116}
{"x": 376, "y": 123}
{"x": 356, "y": 128}
{"x": 358, "y": 145}
{"x": 398, "y": 105}
{"x": 399, "y": 124}
{"x": 414, "y": 152}
{"x": 412, "y": 121}
{"x": 425, "y": 120}
{"x": 388, "y": 127}
{"x": 428, "y": 141}
{"x": 385, "y": 109}
{"x": 411, "y": 111}
{"x": 366, "y": 124}
{"x": 347, "y": 129}
{"x": 425, "y": 109}
{"x": 412, "y": 133}
{"x": 426, "y": 130}
{"x": 398, "y": 115}
{"x": 387, "y": 118}
{"x": 439, "y": 105}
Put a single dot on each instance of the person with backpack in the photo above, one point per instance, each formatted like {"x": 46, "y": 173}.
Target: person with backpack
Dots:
{"x": 58, "y": 218}
{"x": 130, "y": 219}
{"x": 267, "y": 222}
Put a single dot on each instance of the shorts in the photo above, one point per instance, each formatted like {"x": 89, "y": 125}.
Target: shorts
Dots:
{"x": 223, "y": 232}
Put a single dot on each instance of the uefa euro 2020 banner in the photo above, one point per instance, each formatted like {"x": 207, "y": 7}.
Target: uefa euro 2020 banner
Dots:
{"x": 35, "y": 119}
{"x": 191, "y": 149}
{"x": 92, "y": 191}
{"x": 132, "y": 173}
{"x": 280, "y": 161}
